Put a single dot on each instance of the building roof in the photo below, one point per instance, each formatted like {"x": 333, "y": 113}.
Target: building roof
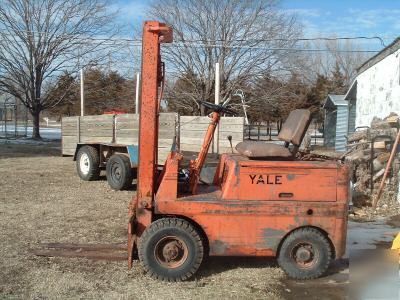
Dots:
{"x": 393, "y": 47}
{"x": 335, "y": 100}
{"x": 352, "y": 92}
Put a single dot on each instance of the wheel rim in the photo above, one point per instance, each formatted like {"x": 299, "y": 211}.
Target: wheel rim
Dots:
{"x": 84, "y": 163}
{"x": 116, "y": 172}
{"x": 171, "y": 252}
{"x": 304, "y": 255}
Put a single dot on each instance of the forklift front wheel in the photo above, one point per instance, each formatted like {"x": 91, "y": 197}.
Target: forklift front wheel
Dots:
{"x": 119, "y": 172}
{"x": 305, "y": 254}
{"x": 171, "y": 249}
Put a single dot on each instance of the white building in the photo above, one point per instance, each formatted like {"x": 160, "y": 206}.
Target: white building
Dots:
{"x": 376, "y": 90}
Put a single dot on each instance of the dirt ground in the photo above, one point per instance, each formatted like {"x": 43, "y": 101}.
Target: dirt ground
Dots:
{"x": 43, "y": 200}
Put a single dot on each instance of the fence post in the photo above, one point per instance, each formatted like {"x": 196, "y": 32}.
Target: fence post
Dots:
{"x": 82, "y": 94}
{"x": 137, "y": 93}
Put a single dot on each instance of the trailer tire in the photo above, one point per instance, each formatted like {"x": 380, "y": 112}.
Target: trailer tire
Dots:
{"x": 119, "y": 172}
{"x": 305, "y": 253}
{"x": 171, "y": 249}
{"x": 88, "y": 163}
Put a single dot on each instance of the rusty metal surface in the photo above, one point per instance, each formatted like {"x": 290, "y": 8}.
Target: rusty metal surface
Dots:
{"x": 140, "y": 215}
{"x": 112, "y": 252}
{"x": 255, "y": 204}
{"x": 252, "y": 205}
{"x": 197, "y": 165}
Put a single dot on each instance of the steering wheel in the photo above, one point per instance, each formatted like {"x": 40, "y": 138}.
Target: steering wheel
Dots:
{"x": 217, "y": 107}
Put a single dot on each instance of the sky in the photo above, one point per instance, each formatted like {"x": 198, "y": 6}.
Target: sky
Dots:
{"x": 319, "y": 17}
{"x": 347, "y": 18}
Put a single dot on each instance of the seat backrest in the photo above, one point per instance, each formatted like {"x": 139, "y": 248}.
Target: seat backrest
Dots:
{"x": 295, "y": 126}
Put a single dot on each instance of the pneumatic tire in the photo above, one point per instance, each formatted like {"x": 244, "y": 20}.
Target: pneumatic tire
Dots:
{"x": 88, "y": 163}
{"x": 119, "y": 172}
{"x": 305, "y": 253}
{"x": 171, "y": 249}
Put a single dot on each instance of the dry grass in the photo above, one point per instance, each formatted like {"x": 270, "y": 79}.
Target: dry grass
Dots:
{"x": 42, "y": 200}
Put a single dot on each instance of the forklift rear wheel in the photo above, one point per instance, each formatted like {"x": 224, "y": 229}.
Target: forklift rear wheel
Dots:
{"x": 88, "y": 163}
{"x": 119, "y": 172}
{"x": 305, "y": 254}
{"x": 171, "y": 249}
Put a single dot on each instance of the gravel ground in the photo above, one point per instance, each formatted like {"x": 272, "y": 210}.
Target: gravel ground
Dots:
{"x": 43, "y": 200}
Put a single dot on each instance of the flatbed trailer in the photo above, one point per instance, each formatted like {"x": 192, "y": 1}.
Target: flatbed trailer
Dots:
{"x": 109, "y": 142}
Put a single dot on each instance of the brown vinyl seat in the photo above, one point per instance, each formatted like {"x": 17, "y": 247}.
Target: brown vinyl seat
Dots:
{"x": 292, "y": 132}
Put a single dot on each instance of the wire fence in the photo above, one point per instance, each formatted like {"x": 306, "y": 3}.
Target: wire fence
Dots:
{"x": 13, "y": 119}
{"x": 269, "y": 132}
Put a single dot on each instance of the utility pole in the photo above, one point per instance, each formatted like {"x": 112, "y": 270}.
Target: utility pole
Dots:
{"x": 217, "y": 84}
{"x": 82, "y": 95}
{"x": 216, "y": 101}
{"x": 137, "y": 93}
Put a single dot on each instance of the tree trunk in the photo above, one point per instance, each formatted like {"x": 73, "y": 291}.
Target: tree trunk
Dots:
{"x": 36, "y": 120}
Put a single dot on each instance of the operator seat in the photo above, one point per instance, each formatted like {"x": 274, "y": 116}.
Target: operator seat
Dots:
{"x": 292, "y": 132}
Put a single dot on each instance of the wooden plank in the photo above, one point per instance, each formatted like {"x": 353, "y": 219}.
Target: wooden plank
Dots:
{"x": 97, "y": 139}
{"x": 191, "y": 147}
{"x": 194, "y": 127}
{"x": 227, "y": 121}
{"x": 97, "y": 118}
{"x": 231, "y": 128}
{"x": 96, "y": 127}
{"x": 68, "y": 152}
{"x": 200, "y": 135}
{"x": 70, "y": 139}
{"x": 190, "y": 140}
{"x": 69, "y": 132}
{"x": 69, "y": 120}
{"x": 69, "y": 125}
{"x": 162, "y": 134}
{"x": 194, "y": 120}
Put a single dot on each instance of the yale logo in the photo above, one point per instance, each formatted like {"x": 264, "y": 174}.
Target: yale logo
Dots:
{"x": 266, "y": 179}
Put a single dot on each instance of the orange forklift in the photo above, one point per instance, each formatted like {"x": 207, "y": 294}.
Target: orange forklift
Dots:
{"x": 262, "y": 202}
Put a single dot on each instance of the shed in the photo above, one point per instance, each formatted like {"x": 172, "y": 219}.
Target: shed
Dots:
{"x": 336, "y": 122}
{"x": 351, "y": 98}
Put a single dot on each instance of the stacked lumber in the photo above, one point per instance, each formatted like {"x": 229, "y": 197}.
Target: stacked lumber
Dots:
{"x": 368, "y": 154}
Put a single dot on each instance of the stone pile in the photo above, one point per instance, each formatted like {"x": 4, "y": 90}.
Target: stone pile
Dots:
{"x": 367, "y": 155}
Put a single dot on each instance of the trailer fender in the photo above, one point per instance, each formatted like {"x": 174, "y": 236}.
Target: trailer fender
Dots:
{"x": 133, "y": 152}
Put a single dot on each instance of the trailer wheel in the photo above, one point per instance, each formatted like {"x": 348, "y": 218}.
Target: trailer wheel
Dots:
{"x": 171, "y": 249}
{"x": 119, "y": 172}
{"x": 305, "y": 254}
{"x": 88, "y": 163}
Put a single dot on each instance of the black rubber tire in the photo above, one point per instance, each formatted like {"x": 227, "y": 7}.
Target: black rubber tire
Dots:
{"x": 320, "y": 263}
{"x": 94, "y": 163}
{"x": 168, "y": 227}
{"x": 119, "y": 172}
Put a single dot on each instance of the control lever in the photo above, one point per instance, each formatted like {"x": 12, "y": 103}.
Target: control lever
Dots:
{"x": 230, "y": 141}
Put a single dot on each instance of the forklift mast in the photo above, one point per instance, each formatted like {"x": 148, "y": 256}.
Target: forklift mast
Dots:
{"x": 154, "y": 33}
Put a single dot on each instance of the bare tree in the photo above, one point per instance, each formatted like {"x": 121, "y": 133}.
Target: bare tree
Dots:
{"x": 329, "y": 55}
{"x": 41, "y": 38}
{"x": 247, "y": 37}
